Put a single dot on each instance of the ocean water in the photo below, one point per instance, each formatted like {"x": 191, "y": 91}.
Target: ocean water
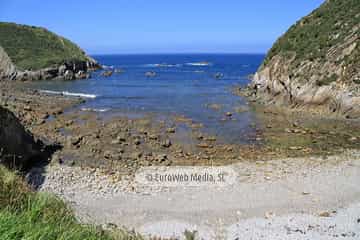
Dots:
{"x": 183, "y": 85}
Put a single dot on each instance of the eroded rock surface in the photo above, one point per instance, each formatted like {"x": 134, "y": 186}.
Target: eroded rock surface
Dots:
{"x": 18, "y": 148}
{"x": 316, "y": 63}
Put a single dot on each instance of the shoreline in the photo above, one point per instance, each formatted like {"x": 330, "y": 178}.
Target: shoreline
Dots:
{"x": 94, "y": 171}
{"x": 95, "y": 139}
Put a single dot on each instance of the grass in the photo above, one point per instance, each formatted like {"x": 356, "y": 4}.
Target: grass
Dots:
{"x": 33, "y": 48}
{"x": 312, "y": 37}
{"x": 25, "y": 214}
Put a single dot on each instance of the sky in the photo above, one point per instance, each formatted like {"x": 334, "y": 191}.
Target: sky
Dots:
{"x": 162, "y": 26}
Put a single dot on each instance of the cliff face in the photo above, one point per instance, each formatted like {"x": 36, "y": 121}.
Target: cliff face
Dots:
{"x": 7, "y": 68}
{"x": 33, "y": 53}
{"x": 18, "y": 149}
{"x": 317, "y": 62}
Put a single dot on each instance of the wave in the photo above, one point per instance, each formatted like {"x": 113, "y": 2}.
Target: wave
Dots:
{"x": 95, "y": 109}
{"x": 199, "y": 64}
{"x": 66, "y": 93}
{"x": 107, "y": 67}
{"x": 161, "y": 65}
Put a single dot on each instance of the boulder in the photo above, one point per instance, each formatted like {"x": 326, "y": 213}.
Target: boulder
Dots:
{"x": 150, "y": 74}
{"x": 107, "y": 73}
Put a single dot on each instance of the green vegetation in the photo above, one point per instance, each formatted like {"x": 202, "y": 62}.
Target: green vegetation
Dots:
{"x": 35, "y": 48}
{"x": 25, "y": 214}
{"x": 311, "y": 38}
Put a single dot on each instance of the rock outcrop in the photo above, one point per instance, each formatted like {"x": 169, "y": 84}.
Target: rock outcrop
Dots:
{"x": 67, "y": 71}
{"x": 18, "y": 148}
{"x": 33, "y": 53}
{"x": 316, "y": 64}
{"x": 7, "y": 68}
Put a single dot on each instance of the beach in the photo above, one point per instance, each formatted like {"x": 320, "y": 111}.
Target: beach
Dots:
{"x": 95, "y": 169}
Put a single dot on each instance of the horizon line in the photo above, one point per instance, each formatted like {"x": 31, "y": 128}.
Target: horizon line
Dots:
{"x": 184, "y": 53}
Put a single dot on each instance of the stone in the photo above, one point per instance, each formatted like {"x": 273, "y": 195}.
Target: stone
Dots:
{"x": 68, "y": 123}
{"x": 324, "y": 214}
{"x": 27, "y": 108}
{"x": 170, "y": 130}
{"x": 115, "y": 141}
{"x": 153, "y": 137}
{"x": 295, "y": 148}
{"x": 166, "y": 143}
{"x": 203, "y": 145}
{"x": 107, "y": 154}
{"x": 137, "y": 141}
{"x": 353, "y": 139}
{"x": 295, "y": 130}
{"x": 269, "y": 215}
{"x": 76, "y": 140}
{"x": 211, "y": 139}
{"x": 161, "y": 157}
{"x": 107, "y": 73}
{"x": 288, "y": 130}
{"x": 150, "y": 74}
{"x": 57, "y": 111}
{"x": 122, "y": 137}
{"x": 218, "y": 75}
{"x": 44, "y": 116}
{"x": 241, "y": 109}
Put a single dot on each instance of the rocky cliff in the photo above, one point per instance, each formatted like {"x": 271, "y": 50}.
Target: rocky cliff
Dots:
{"x": 316, "y": 63}
{"x": 33, "y": 53}
{"x": 18, "y": 148}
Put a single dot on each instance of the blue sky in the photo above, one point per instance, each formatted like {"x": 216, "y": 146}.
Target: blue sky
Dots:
{"x": 162, "y": 26}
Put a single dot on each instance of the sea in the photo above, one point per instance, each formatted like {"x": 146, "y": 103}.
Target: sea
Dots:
{"x": 187, "y": 85}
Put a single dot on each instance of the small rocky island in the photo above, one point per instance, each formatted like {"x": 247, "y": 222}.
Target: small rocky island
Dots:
{"x": 34, "y": 53}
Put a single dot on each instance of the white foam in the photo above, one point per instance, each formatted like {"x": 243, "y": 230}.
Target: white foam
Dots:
{"x": 66, "y": 93}
{"x": 199, "y": 64}
{"x": 153, "y": 65}
{"x": 95, "y": 109}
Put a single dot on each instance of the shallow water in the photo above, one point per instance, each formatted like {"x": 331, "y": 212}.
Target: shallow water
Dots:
{"x": 183, "y": 85}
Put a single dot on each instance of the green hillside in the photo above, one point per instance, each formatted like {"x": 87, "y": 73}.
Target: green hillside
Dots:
{"x": 315, "y": 36}
{"x": 35, "y": 48}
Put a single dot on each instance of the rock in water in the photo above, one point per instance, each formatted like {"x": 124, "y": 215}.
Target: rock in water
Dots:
{"x": 150, "y": 74}
{"x": 107, "y": 73}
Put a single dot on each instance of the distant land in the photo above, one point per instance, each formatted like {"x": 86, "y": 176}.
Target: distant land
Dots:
{"x": 34, "y": 53}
